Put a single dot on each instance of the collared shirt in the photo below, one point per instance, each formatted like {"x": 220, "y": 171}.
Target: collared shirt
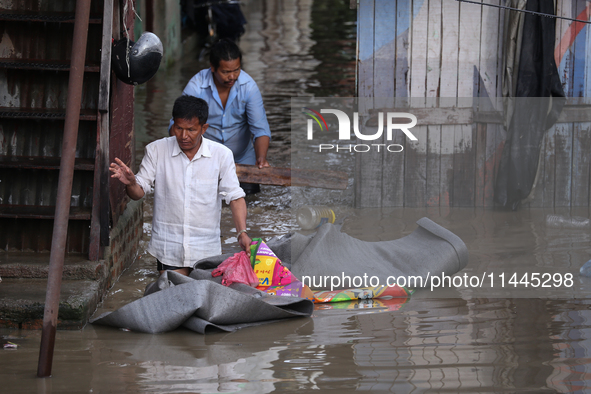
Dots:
{"x": 187, "y": 199}
{"x": 243, "y": 118}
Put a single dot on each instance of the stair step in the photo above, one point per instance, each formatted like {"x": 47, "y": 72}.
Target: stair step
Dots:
{"x": 43, "y": 113}
{"x": 43, "y": 65}
{"x": 41, "y": 212}
{"x": 41, "y": 16}
{"x": 42, "y": 163}
{"x": 36, "y": 265}
{"x": 22, "y": 303}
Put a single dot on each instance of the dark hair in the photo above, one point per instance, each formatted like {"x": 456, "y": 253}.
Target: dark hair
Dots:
{"x": 189, "y": 107}
{"x": 224, "y": 50}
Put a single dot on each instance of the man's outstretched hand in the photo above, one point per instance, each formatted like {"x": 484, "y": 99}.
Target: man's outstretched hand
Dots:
{"x": 125, "y": 175}
{"x": 122, "y": 172}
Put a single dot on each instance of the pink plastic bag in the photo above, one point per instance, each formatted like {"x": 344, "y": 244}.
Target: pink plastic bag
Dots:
{"x": 236, "y": 268}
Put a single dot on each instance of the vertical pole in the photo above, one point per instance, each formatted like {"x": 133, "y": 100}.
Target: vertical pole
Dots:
{"x": 64, "y": 189}
{"x": 99, "y": 232}
{"x": 149, "y": 12}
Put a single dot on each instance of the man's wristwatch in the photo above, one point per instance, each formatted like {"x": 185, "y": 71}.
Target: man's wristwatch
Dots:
{"x": 240, "y": 233}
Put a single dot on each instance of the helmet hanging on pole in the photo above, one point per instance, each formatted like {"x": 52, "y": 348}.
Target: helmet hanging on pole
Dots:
{"x": 136, "y": 62}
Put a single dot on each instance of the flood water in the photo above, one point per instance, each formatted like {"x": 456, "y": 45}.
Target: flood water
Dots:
{"x": 446, "y": 340}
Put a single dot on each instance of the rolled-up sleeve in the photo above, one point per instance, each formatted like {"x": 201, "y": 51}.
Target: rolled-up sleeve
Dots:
{"x": 147, "y": 173}
{"x": 229, "y": 186}
{"x": 255, "y": 112}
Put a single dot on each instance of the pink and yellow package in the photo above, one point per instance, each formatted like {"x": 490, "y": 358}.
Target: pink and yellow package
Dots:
{"x": 274, "y": 278}
{"x": 267, "y": 266}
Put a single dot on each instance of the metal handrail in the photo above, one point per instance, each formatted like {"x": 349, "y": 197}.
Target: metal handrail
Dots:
{"x": 64, "y": 189}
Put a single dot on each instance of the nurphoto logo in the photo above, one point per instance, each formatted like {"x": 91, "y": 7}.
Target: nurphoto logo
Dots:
{"x": 391, "y": 119}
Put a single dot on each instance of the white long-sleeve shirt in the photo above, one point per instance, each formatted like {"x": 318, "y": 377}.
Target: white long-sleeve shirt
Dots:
{"x": 187, "y": 199}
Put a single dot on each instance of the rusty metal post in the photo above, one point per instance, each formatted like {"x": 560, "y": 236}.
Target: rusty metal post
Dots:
{"x": 64, "y": 189}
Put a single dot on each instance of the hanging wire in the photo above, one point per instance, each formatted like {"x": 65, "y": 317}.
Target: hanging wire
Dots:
{"x": 125, "y": 9}
{"x": 526, "y": 11}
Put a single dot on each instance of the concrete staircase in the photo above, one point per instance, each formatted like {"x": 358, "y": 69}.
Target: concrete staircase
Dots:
{"x": 24, "y": 282}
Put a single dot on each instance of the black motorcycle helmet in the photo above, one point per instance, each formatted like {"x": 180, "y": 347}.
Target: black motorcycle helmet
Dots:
{"x": 144, "y": 58}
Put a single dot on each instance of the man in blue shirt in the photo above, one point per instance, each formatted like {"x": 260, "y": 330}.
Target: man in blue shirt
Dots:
{"x": 237, "y": 117}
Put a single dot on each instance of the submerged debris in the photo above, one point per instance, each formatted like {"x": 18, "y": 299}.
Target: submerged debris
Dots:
{"x": 10, "y": 345}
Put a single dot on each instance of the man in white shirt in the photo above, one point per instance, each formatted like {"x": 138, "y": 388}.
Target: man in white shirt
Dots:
{"x": 190, "y": 175}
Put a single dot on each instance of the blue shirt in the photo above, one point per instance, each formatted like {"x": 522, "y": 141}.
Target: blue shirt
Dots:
{"x": 243, "y": 118}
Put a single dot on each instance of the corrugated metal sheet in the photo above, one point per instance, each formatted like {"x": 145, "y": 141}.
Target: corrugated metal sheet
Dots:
{"x": 47, "y": 5}
{"x": 35, "y": 235}
{"x": 38, "y": 41}
{"x": 43, "y": 89}
{"x": 35, "y": 51}
{"x": 33, "y": 137}
{"x": 39, "y": 187}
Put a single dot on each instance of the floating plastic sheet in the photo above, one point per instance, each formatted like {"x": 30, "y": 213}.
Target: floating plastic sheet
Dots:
{"x": 199, "y": 302}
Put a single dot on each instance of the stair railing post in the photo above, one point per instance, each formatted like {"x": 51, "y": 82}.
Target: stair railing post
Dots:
{"x": 64, "y": 189}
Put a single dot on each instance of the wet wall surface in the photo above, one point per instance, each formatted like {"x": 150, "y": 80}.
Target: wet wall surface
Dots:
{"x": 448, "y": 340}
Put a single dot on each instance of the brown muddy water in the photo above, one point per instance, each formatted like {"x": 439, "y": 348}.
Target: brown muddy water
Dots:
{"x": 446, "y": 340}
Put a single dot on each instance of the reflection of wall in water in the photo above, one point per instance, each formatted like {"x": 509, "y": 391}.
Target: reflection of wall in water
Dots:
{"x": 455, "y": 345}
{"x": 276, "y": 49}
{"x": 572, "y": 349}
